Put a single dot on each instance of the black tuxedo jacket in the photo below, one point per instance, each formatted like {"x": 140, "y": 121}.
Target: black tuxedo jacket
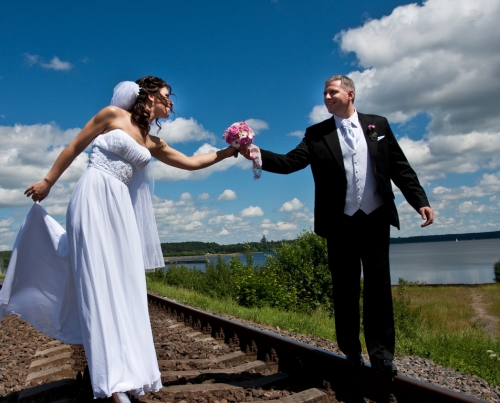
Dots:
{"x": 320, "y": 148}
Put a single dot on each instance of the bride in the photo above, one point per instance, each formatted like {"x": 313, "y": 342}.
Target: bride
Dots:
{"x": 87, "y": 285}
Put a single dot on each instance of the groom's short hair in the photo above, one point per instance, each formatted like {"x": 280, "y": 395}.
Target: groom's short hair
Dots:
{"x": 345, "y": 82}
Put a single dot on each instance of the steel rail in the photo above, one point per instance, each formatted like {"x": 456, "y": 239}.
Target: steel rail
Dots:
{"x": 313, "y": 364}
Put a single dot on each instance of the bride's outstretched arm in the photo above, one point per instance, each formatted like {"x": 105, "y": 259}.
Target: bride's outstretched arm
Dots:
{"x": 95, "y": 126}
{"x": 170, "y": 156}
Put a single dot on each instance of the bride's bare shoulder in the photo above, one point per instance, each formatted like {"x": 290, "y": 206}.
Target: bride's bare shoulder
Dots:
{"x": 113, "y": 112}
{"x": 111, "y": 117}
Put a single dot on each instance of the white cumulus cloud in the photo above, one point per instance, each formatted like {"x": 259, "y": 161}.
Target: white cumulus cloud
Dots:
{"x": 257, "y": 125}
{"x": 181, "y": 130}
{"x": 278, "y": 226}
{"x": 223, "y": 232}
{"x": 6, "y": 223}
{"x": 252, "y": 211}
{"x": 225, "y": 219}
{"x": 318, "y": 114}
{"x": 292, "y": 205}
{"x": 435, "y": 156}
{"x": 169, "y": 173}
{"x": 424, "y": 59}
{"x": 227, "y": 194}
{"x": 55, "y": 63}
{"x": 27, "y": 154}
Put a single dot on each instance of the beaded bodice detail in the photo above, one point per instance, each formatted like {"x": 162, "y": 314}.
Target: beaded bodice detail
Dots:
{"x": 119, "y": 155}
{"x": 112, "y": 164}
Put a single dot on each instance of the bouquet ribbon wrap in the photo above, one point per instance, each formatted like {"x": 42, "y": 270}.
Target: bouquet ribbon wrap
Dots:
{"x": 240, "y": 135}
{"x": 256, "y": 160}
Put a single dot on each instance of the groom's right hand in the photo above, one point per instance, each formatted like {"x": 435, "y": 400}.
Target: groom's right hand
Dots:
{"x": 247, "y": 151}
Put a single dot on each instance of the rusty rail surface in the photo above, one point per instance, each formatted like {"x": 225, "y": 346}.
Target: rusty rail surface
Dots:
{"x": 315, "y": 365}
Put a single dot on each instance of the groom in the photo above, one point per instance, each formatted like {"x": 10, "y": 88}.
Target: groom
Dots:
{"x": 353, "y": 158}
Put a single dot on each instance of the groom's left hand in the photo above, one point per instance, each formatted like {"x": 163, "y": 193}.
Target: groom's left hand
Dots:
{"x": 427, "y": 214}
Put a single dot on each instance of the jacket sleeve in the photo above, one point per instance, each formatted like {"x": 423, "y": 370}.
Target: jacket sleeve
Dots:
{"x": 403, "y": 175}
{"x": 293, "y": 161}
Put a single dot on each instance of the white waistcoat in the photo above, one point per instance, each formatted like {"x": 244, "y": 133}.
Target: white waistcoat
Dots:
{"x": 362, "y": 193}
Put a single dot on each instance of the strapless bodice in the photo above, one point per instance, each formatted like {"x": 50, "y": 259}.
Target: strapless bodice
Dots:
{"x": 119, "y": 155}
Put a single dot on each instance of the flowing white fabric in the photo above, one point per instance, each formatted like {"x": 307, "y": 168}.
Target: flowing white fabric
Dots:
{"x": 100, "y": 279}
{"x": 140, "y": 193}
{"x": 38, "y": 271}
{"x": 125, "y": 94}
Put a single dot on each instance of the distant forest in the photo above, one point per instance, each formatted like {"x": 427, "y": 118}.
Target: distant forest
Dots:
{"x": 449, "y": 237}
{"x": 202, "y": 248}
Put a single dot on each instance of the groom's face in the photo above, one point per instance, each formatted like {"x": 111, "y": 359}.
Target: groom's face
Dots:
{"x": 337, "y": 99}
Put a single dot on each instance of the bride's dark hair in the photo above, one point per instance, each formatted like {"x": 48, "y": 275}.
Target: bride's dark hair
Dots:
{"x": 140, "y": 112}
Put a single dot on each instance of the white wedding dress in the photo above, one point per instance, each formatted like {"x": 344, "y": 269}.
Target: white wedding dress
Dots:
{"x": 87, "y": 285}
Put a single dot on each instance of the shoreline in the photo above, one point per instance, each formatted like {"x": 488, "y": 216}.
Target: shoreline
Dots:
{"x": 168, "y": 259}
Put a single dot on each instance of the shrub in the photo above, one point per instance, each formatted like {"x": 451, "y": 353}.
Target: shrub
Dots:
{"x": 257, "y": 286}
{"x": 407, "y": 319}
{"x": 218, "y": 279}
{"x": 4, "y": 261}
{"x": 180, "y": 276}
{"x": 303, "y": 266}
{"x": 496, "y": 271}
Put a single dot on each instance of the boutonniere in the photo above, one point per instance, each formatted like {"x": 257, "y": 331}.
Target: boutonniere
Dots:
{"x": 372, "y": 133}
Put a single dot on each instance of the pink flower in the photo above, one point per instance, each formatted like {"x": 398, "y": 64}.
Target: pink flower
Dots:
{"x": 239, "y": 134}
{"x": 244, "y": 141}
{"x": 371, "y": 127}
{"x": 234, "y": 130}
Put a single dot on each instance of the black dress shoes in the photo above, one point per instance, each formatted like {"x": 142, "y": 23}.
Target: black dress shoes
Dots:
{"x": 385, "y": 366}
{"x": 355, "y": 359}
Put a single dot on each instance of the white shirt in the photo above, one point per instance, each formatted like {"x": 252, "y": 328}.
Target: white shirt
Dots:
{"x": 362, "y": 193}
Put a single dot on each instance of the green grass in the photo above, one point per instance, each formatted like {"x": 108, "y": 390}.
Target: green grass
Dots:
{"x": 448, "y": 333}
{"x": 491, "y": 293}
{"x": 472, "y": 351}
{"x": 441, "y": 332}
{"x": 443, "y": 306}
{"x": 451, "y": 307}
{"x": 318, "y": 323}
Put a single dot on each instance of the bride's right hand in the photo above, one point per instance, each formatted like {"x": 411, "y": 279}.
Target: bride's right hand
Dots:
{"x": 38, "y": 191}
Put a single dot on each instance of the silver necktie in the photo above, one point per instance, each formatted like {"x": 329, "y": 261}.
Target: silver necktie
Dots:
{"x": 348, "y": 134}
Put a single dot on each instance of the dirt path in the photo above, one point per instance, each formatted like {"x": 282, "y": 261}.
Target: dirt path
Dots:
{"x": 479, "y": 306}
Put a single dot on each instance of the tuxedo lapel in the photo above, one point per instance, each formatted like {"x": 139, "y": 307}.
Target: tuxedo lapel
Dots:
{"x": 372, "y": 145}
{"x": 332, "y": 140}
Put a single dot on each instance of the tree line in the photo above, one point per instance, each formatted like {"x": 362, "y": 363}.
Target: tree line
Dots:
{"x": 203, "y": 248}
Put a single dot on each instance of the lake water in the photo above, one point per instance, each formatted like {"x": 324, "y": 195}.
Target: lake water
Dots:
{"x": 462, "y": 262}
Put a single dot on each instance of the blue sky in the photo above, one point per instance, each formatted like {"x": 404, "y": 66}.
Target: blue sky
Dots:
{"x": 430, "y": 67}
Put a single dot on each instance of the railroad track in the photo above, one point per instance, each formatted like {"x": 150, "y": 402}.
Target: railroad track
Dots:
{"x": 205, "y": 358}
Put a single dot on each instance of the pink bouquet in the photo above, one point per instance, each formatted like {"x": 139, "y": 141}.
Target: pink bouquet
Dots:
{"x": 240, "y": 135}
